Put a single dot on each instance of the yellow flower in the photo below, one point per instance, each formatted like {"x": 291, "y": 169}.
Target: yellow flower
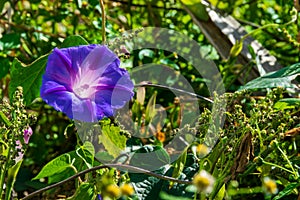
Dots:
{"x": 127, "y": 189}
{"x": 204, "y": 182}
{"x": 113, "y": 191}
{"x": 269, "y": 186}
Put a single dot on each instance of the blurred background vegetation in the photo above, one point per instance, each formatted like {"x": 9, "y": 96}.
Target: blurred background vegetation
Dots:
{"x": 30, "y": 29}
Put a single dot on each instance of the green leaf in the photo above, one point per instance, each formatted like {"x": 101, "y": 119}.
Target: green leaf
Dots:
{"x": 55, "y": 166}
{"x": 4, "y": 63}
{"x": 170, "y": 63}
{"x": 150, "y": 109}
{"x": 287, "y": 190}
{"x": 288, "y": 103}
{"x": 84, "y": 192}
{"x": 103, "y": 156}
{"x": 197, "y": 8}
{"x": 220, "y": 195}
{"x": 86, "y": 153}
{"x": 78, "y": 164}
{"x": 191, "y": 189}
{"x": 12, "y": 175}
{"x": 280, "y": 78}
{"x": 29, "y": 77}
{"x": 112, "y": 140}
{"x": 236, "y": 49}
{"x": 146, "y": 53}
{"x": 147, "y": 187}
{"x": 10, "y": 41}
{"x": 150, "y": 157}
{"x": 179, "y": 164}
{"x": 73, "y": 40}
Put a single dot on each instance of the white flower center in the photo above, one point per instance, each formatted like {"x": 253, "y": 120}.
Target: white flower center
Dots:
{"x": 85, "y": 84}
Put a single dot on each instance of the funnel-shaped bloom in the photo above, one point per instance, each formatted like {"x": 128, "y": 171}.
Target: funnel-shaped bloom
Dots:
{"x": 27, "y": 134}
{"x": 85, "y": 82}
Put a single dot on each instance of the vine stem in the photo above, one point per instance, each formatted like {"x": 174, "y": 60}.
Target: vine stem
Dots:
{"x": 288, "y": 161}
{"x": 294, "y": 18}
{"x": 148, "y": 84}
{"x": 120, "y": 166}
{"x": 103, "y": 16}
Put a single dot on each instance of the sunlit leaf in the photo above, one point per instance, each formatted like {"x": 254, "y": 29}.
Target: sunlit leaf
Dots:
{"x": 287, "y": 103}
{"x": 280, "y": 78}
{"x": 86, "y": 152}
{"x": 220, "y": 195}
{"x": 112, "y": 140}
{"x": 179, "y": 164}
{"x": 150, "y": 109}
{"x": 73, "y": 40}
{"x": 57, "y": 165}
{"x": 146, "y": 53}
{"x": 12, "y": 175}
{"x": 29, "y": 77}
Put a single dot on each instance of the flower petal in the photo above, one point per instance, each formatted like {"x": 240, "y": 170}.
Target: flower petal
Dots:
{"x": 63, "y": 64}
{"x": 85, "y": 82}
{"x": 27, "y": 134}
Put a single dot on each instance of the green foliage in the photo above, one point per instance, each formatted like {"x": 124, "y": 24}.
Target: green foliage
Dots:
{"x": 14, "y": 120}
{"x": 280, "y": 78}
{"x": 287, "y": 190}
{"x": 29, "y": 77}
{"x": 150, "y": 157}
{"x": 111, "y": 139}
{"x": 56, "y": 166}
{"x": 31, "y": 29}
{"x": 74, "y": 40}
{"x": 85, "y": 191}
{"x": 197, "y": 8}
{"x": 179, "y": 164}
{"x": 87, "y": 153}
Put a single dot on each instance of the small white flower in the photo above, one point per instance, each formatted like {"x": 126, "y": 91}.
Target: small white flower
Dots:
{"x": 269, "y": 186}
{"x": 204, "y": 182}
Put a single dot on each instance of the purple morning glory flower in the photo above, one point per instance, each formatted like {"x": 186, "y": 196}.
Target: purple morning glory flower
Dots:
{"x": 86, "y": 82}
{"x": 27, "y": 133}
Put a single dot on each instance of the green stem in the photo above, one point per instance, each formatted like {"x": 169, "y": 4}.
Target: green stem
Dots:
{"x": 103, "y": 16}
{"x": 148, "y": 84}
{"x": 1, "y": 182}
{"x": 261, "y": 143}
{"x": 288, "y": 161}
{"x": 259, "y": 29}
{"x": 268, "y": 26}
{"x": 278, "y": 166}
